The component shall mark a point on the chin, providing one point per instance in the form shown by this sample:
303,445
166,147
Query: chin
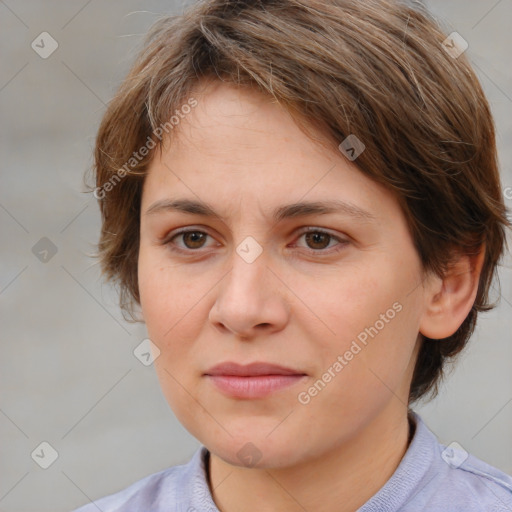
255,450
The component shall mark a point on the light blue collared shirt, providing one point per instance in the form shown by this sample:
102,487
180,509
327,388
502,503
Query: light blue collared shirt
430,477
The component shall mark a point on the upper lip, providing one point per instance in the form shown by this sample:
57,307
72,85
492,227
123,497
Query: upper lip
252,369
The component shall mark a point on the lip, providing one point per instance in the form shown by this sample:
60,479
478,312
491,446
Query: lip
251,370
255,380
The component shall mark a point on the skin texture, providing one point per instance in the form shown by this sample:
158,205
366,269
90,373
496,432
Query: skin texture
300,304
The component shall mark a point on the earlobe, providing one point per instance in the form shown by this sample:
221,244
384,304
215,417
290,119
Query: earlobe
449,300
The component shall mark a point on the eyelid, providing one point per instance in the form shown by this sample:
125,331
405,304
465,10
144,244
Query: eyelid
167,239
311,229
342,242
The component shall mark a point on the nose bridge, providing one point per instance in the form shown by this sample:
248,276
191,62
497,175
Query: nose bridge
246,299
248,275
249,259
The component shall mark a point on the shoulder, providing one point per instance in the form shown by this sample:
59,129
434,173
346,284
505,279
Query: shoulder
463,482
141,494
439,478
170,489
474,482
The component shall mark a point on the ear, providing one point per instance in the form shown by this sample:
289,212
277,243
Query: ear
448,300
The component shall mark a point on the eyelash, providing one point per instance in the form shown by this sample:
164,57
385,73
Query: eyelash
168,241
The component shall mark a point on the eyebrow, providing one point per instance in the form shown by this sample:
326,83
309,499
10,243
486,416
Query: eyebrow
290,211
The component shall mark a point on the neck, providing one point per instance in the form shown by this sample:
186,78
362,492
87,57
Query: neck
343,479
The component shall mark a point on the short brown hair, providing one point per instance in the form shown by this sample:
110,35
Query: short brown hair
373,68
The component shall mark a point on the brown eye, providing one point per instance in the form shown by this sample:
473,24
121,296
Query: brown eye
321,242
186,241
318,239
193,239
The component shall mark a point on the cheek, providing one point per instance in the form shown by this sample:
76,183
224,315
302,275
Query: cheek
164,291
172,308
167,301
375,322
155,290
341,305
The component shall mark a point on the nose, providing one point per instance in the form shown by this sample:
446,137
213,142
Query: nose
251,300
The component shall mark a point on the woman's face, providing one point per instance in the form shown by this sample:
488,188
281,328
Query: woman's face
335,297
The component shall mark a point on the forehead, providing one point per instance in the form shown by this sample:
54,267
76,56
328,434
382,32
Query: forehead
237,145
233,120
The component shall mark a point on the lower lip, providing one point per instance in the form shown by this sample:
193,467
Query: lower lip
253,387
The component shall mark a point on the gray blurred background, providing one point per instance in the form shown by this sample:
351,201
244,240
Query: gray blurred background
68,374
